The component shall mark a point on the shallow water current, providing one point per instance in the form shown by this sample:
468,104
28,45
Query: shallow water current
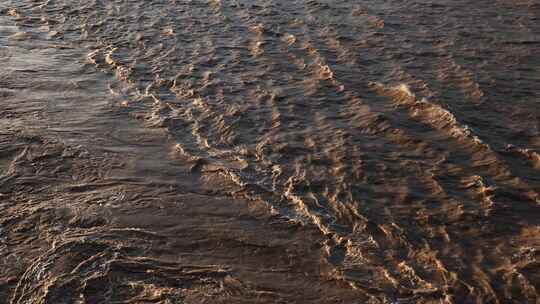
276,151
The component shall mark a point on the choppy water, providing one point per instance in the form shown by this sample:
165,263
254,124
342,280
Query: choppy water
274,151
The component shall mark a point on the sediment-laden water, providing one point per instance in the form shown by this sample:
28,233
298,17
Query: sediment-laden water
250,151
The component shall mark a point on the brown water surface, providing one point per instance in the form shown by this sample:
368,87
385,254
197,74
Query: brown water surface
251,151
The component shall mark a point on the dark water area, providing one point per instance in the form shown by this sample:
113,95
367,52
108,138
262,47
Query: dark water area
251,151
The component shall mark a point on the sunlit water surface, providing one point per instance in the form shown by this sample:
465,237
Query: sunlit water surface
276,151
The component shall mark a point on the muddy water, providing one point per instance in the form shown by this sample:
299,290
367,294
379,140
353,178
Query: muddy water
269,151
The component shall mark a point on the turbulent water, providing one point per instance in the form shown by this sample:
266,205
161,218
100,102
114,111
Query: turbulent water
269,151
